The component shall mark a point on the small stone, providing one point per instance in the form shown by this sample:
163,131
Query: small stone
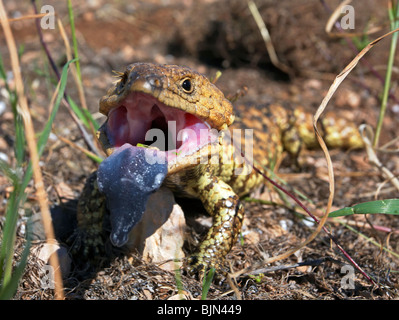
3,157
47,249
313,84
64,191
159,236
349,98
3,107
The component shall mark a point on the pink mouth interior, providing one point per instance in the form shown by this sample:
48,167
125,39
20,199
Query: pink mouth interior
129,123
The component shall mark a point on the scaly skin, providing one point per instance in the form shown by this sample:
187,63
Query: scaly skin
218,187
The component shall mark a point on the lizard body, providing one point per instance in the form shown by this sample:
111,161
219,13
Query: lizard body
147,96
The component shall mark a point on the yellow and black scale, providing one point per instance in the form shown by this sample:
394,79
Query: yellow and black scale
275,129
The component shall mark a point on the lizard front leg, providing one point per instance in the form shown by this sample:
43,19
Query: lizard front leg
224,206
89,238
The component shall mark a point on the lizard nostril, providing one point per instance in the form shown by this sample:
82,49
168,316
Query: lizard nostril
154,82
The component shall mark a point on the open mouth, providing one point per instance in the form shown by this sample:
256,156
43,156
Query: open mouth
141,120
132,172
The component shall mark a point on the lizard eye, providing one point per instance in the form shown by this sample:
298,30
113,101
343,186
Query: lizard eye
187,85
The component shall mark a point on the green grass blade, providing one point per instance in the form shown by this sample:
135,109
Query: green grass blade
84,115
78,111
41,143
390,206
74,41
10,282
10,225
95,158
3,74
207,283
8,290
19,135
18,123
371,240
91,119
178,280
394,19
8,172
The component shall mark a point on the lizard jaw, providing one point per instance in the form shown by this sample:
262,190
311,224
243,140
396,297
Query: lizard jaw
140,118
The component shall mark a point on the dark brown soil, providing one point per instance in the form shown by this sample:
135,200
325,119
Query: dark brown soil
212,36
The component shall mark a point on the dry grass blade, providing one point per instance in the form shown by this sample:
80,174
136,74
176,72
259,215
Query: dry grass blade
77,147
335,15
333,88
338,80
32,146
73,68
67,102
367,136
79,86
266,38
30,16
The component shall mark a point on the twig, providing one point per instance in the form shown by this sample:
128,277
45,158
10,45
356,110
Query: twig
43,43
76,146
316,262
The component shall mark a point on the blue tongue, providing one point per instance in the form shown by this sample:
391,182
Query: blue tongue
127,178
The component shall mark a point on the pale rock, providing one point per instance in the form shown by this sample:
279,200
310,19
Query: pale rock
159,236
348,98
3,107
183,295
3,157
45,250
64,191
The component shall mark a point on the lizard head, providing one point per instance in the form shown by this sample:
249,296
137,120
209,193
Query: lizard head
175,106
